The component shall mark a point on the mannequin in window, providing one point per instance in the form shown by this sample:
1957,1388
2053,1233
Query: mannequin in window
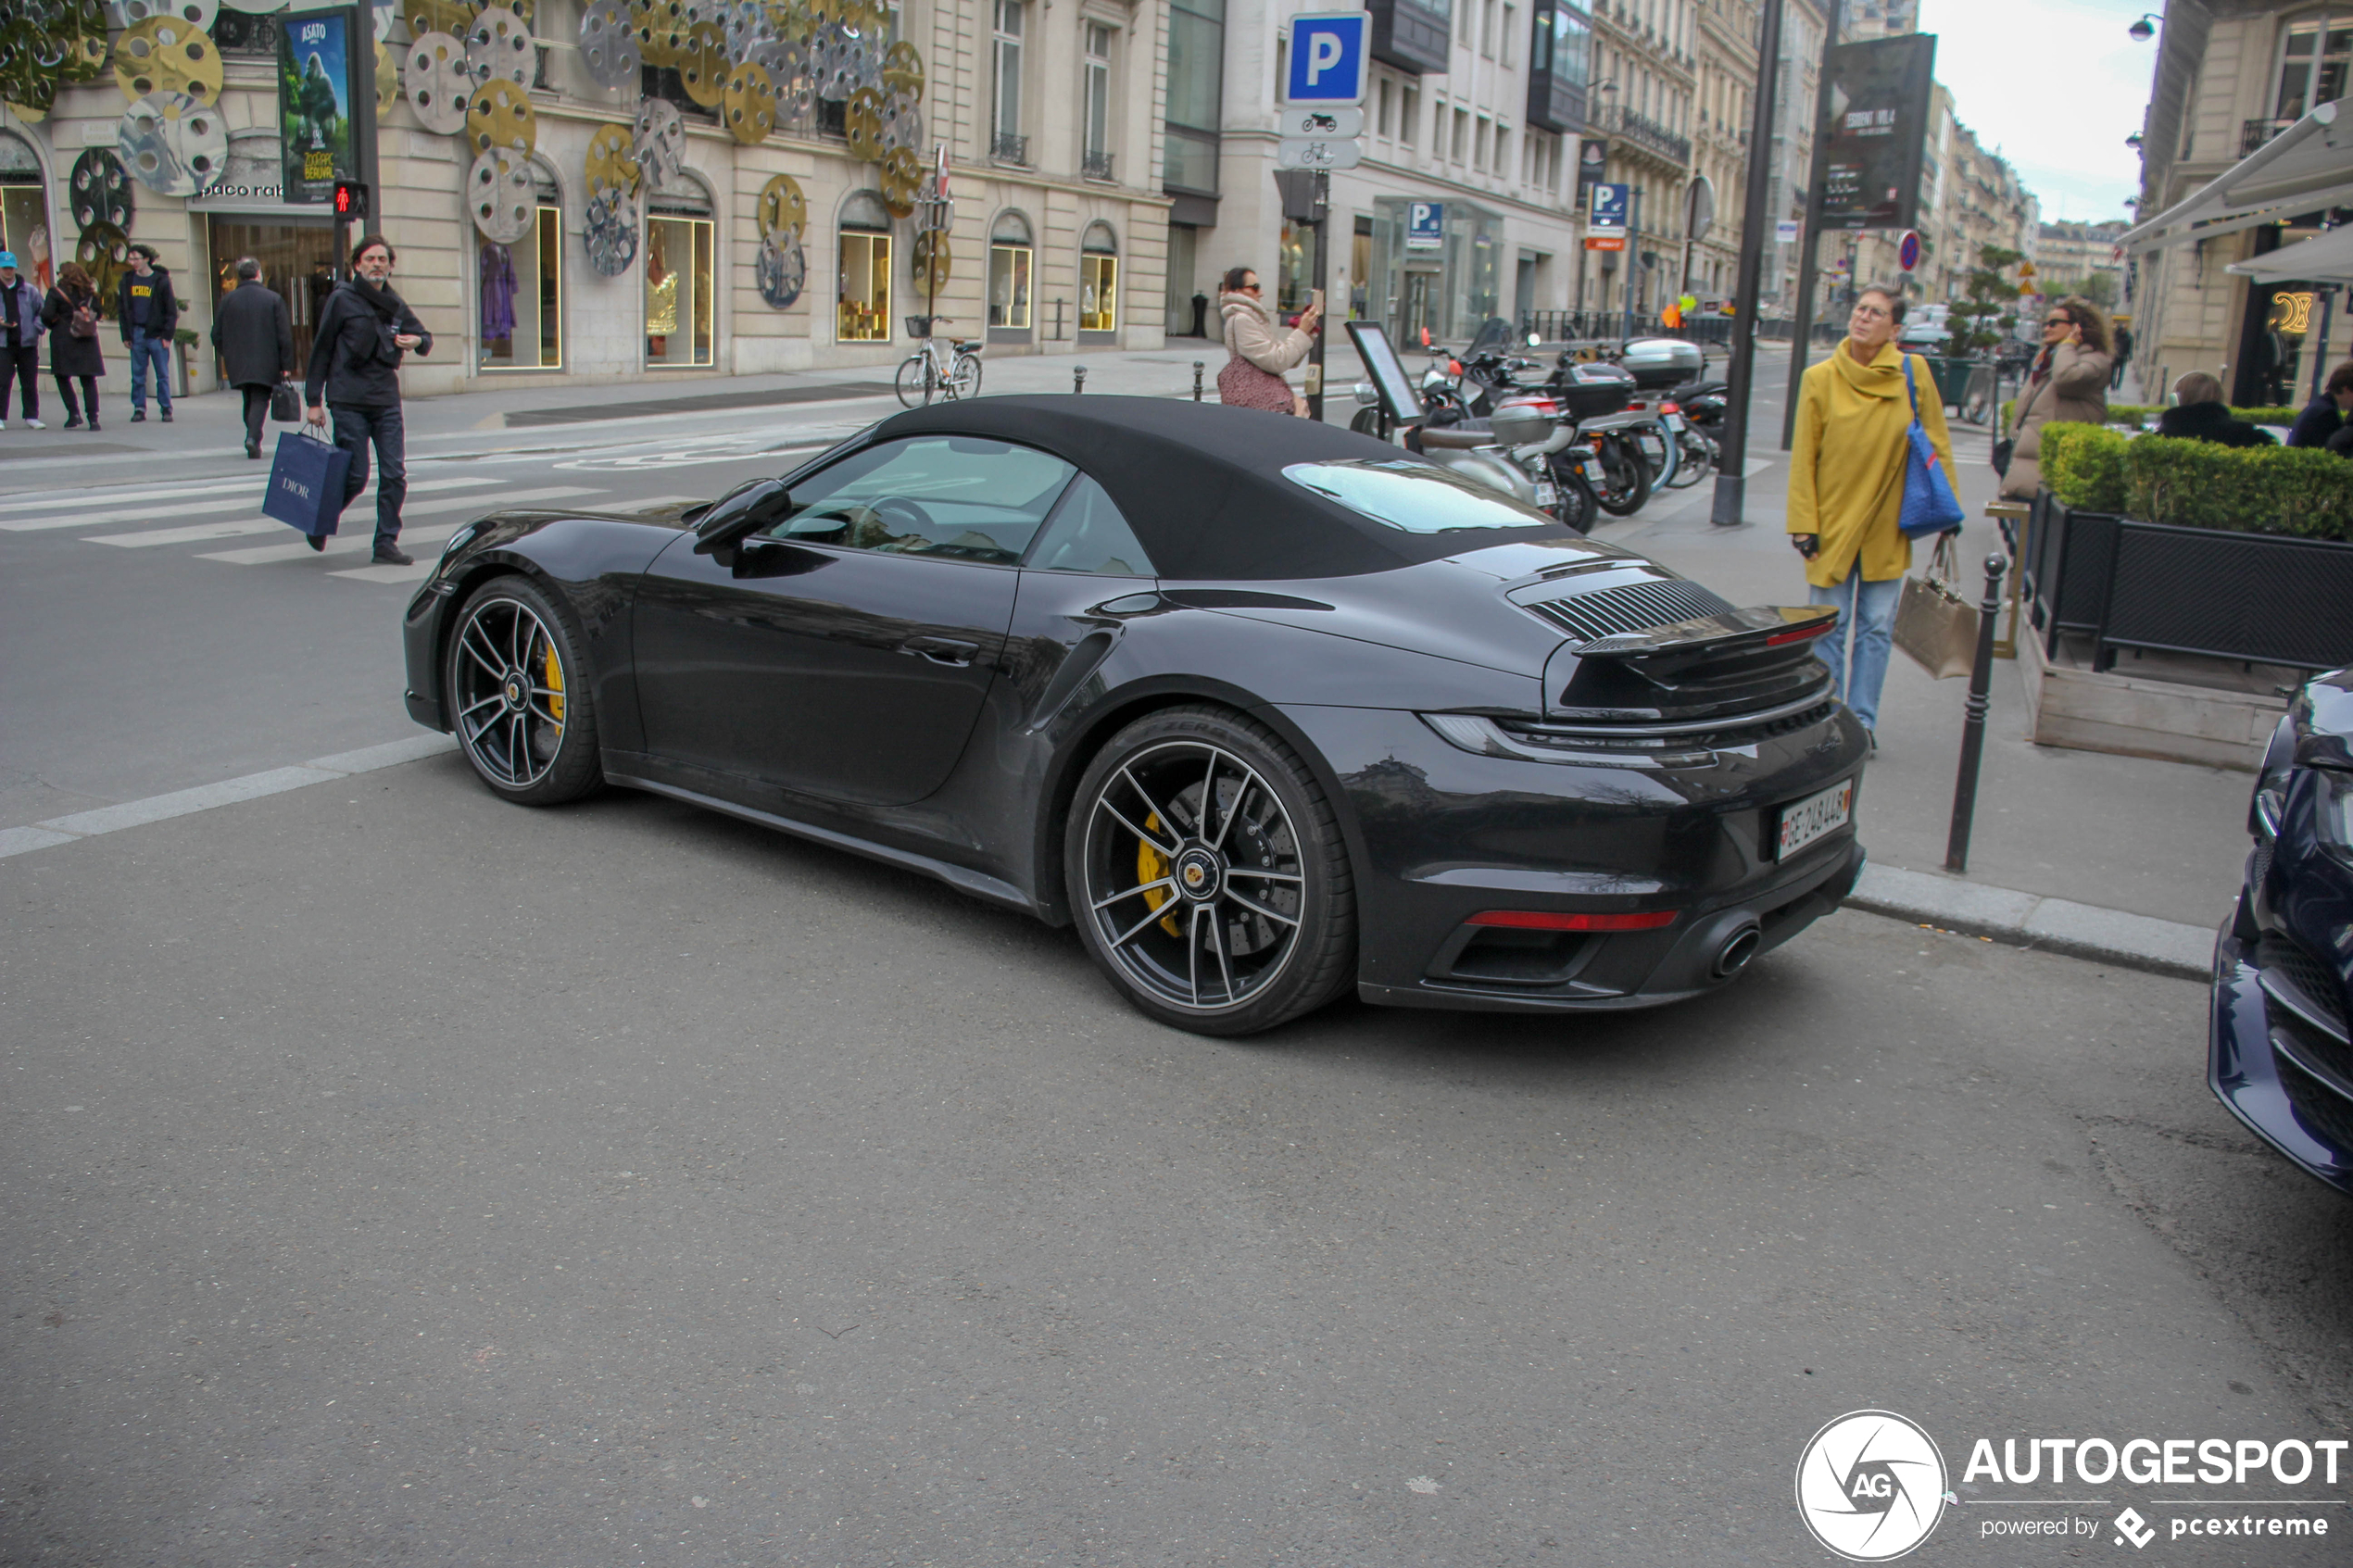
498,299
662,296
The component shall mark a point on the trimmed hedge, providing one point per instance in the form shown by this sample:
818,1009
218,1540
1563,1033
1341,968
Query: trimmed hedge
2301,493
2142,416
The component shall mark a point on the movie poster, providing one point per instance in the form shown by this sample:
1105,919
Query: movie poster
314,105
1867,150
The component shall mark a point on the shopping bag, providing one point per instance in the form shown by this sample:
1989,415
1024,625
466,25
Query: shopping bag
1929,506
285,403
305,481
1934,623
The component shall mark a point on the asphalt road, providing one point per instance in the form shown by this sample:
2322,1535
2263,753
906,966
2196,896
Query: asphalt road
389,1175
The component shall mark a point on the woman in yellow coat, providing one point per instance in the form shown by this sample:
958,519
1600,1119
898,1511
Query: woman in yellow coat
1846,489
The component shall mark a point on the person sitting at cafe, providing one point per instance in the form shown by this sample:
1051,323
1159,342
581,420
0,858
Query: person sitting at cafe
2326,414
2201,415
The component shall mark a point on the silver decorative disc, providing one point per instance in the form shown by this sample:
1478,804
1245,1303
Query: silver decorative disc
173,144
609,47
498,45
500,196
440,84
198,14
783,270
611,235
660,143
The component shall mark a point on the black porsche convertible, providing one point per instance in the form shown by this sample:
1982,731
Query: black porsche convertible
1263,706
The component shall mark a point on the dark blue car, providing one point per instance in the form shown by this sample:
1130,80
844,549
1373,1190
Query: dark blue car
2283,1059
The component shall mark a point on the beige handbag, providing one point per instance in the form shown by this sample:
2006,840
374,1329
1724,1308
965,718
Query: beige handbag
1934,623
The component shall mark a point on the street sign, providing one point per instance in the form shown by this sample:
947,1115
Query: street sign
1425,225
1785,232
1329,56
1699,208
1322,124
1607,214
1867,150
1606,242
2026,270
1907,250
1311,152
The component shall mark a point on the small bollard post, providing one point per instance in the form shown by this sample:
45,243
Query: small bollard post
1077,378
1981,679
1196,381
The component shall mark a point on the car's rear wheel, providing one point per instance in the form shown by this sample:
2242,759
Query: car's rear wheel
518,695
1207,875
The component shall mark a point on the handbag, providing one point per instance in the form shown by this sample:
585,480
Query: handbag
285,403
2002,450
1934,623
306,483
84,322
1929,506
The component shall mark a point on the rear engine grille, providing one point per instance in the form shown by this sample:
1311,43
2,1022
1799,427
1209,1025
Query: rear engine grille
2320,1108
2311,978
1635,607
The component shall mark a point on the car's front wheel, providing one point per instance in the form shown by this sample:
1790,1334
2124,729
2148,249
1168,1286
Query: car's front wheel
518,695
1207,875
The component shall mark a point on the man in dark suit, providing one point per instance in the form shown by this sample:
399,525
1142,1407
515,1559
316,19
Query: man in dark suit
255,337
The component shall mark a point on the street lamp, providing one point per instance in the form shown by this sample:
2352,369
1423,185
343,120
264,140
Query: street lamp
2146,29
2133,140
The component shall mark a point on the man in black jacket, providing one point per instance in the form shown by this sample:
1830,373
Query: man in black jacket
355,364
149,314
2325,415
256,339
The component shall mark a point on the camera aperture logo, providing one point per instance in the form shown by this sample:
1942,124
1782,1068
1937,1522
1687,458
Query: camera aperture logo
1870,1486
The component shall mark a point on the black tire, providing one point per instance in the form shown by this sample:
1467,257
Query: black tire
1628,476
1283,942
1697,461
516,659
1576,508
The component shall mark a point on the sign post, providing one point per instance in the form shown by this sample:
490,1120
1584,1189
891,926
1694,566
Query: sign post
1730,499
1323,115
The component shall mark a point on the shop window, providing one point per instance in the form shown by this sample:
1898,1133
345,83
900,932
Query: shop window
24,212
299,264
1099,280
863,300
2314,51
519,292
1095,157
1010,257
680,299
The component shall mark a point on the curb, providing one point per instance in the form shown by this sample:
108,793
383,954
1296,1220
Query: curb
2029,919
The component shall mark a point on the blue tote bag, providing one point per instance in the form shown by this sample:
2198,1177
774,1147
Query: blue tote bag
1929,506
306,483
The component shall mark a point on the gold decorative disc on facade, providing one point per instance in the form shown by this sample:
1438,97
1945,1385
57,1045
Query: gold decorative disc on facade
611,165
164,55
902,180
437,16
387,78
702,64
781,209
752,105
903,69
862,120
501,116
931,260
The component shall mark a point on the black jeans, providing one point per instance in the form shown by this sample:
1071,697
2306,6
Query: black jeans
88,395
256,410
22,369
354,428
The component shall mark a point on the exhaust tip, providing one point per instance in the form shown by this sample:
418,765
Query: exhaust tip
1734,956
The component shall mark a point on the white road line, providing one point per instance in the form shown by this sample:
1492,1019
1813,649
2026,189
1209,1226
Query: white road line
341,544
228,792
362,509
417,573
242,502
108,495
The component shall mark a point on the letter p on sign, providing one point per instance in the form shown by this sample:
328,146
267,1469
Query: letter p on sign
1327,59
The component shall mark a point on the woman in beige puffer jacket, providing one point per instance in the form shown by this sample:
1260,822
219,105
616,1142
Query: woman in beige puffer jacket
1258,352
2067,385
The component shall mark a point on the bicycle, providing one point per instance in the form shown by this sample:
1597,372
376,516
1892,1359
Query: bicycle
942,368
1977,399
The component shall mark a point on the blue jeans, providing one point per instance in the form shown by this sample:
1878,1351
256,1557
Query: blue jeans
143,349
355,428
1870,614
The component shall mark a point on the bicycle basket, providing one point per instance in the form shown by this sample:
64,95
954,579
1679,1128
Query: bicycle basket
919,326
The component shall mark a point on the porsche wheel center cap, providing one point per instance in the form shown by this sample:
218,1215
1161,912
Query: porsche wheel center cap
515,694
1199,875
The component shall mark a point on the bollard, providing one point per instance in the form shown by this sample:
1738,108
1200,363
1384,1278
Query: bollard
1196,381
1981,679
1077,378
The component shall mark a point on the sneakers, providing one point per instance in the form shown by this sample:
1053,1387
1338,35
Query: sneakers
4,424
138,416
73,421
34,424
389,554
93,426
167,413
253,448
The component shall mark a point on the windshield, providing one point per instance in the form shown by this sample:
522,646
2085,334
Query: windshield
1413,497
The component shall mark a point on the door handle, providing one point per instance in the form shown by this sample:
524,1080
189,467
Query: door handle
942,650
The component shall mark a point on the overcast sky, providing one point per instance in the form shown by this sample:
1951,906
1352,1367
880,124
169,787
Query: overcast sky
2056,86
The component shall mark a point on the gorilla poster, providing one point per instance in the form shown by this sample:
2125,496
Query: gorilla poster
314,105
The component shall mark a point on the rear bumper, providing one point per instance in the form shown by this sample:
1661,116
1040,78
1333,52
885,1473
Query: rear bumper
2304,1111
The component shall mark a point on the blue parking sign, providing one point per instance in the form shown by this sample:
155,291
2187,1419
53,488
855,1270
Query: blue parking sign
1327,59
1608,215
1425,225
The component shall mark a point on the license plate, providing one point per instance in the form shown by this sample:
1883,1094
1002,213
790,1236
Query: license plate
1592,470
1803,822
1672,422
1547,494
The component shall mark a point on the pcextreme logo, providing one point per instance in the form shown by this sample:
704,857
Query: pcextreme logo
1870,1486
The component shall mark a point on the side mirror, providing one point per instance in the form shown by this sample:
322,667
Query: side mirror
748,507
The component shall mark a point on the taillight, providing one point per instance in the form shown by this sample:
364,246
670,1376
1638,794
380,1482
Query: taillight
1668,408
1800,633
1454,367
1546,919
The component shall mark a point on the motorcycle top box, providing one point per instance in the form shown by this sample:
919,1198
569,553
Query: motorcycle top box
1589,391
1658,363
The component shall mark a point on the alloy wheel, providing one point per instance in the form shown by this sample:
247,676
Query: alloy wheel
509,682
1193,876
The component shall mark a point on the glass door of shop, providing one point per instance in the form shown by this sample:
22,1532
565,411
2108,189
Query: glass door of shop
298,264
678,291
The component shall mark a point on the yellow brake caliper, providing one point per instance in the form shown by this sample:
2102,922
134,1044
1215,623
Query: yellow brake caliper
1151,866
555,686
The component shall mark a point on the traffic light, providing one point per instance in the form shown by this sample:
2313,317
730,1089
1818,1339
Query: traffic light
351,200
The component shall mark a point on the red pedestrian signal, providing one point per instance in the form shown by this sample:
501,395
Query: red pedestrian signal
351,199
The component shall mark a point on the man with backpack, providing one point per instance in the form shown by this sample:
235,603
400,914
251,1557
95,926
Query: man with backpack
256,339
149,314
20,339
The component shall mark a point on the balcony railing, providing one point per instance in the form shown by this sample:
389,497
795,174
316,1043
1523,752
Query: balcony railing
1005,148
2255,132
1095,165
1648,133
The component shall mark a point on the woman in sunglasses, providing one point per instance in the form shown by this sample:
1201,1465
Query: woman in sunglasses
2067,385
1258,351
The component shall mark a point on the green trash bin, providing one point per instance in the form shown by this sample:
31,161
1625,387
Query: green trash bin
1951,377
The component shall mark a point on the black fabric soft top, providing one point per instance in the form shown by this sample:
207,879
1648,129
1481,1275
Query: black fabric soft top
1202,485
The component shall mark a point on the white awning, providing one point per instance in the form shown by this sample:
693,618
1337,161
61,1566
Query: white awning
2307,166
2323,258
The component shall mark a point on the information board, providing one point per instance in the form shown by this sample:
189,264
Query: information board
1867,150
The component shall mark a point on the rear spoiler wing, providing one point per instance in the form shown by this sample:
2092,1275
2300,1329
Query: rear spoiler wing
1738,630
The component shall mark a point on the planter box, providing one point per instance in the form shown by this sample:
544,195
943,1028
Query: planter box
2135,715
2066,559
